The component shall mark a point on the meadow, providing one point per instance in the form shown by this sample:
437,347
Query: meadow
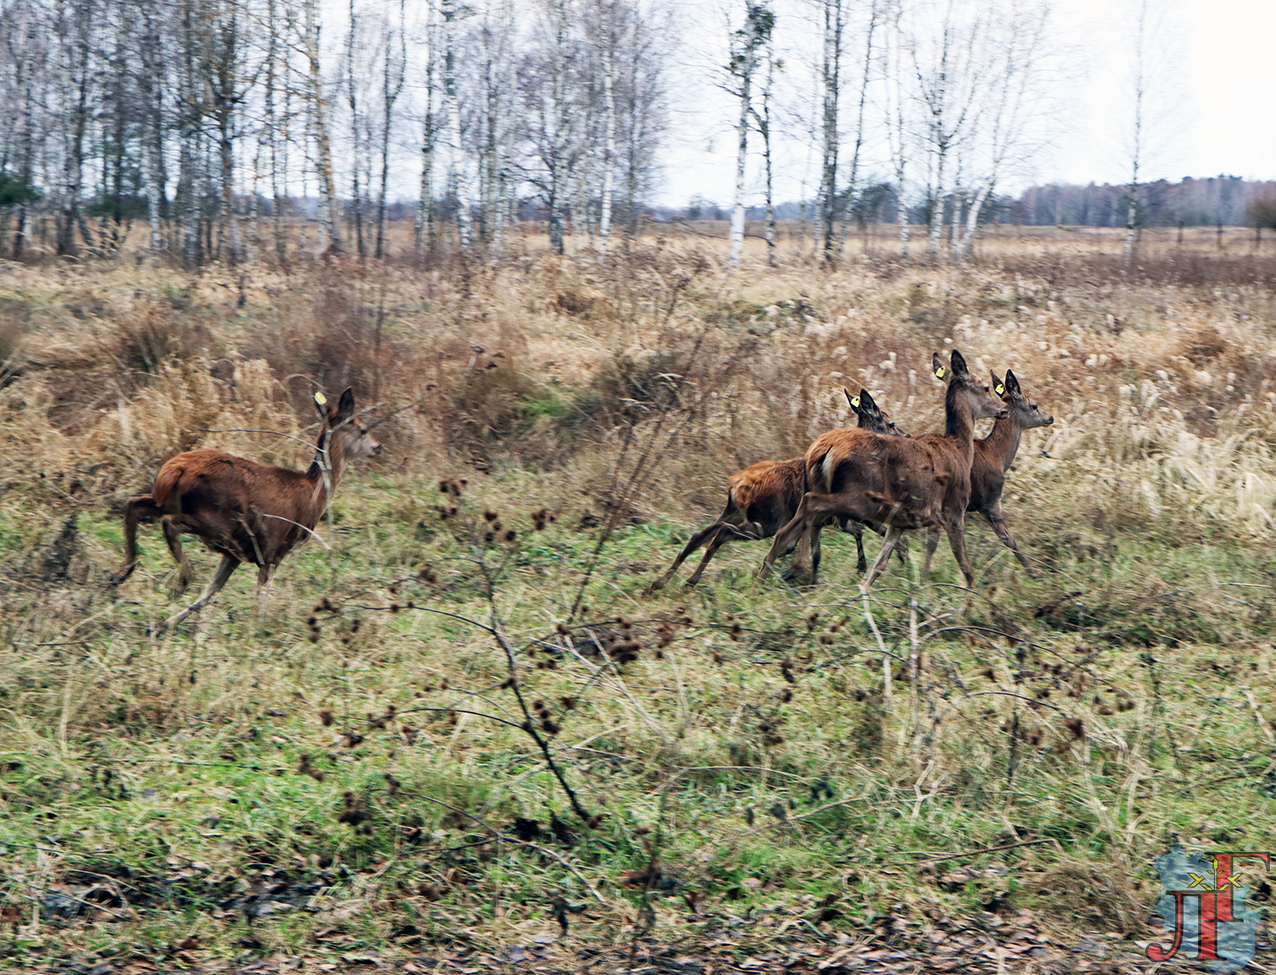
462,736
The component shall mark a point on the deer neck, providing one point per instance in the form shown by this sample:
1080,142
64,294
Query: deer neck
1003,443
960,423
330,459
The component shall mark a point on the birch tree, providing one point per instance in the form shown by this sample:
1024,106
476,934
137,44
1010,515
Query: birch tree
458,177
834,26
875,13
608,22
746,42
423,229
942,51
392,78
895,124
329,217
1014,92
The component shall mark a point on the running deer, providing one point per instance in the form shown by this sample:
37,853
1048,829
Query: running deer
247,512
993,457
762,498
896,482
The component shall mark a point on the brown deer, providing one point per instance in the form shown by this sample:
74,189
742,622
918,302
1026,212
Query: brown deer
762,498
248,512
900,483
993,457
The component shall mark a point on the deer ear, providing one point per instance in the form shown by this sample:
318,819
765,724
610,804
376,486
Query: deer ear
321,404
937,366
345,408
959,366
870,405
1012,383
998,386
853,400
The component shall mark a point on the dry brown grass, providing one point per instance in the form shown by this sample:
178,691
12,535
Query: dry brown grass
628,391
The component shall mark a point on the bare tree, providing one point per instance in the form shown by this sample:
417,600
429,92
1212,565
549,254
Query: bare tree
458,176
895,109
943,50
834,27
747,41
329,219
762,118
424,230
1150,85
607,20
1014,97
875,13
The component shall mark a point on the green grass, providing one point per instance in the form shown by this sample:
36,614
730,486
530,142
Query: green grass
751,752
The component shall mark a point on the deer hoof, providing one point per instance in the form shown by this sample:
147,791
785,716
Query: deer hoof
118,577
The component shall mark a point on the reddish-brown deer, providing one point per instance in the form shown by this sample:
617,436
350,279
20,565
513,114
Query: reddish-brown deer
762,498
993,457
245,511
900,483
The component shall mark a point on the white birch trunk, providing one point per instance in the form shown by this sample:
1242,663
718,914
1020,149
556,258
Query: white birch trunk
423,229
457,175
609,138
329,217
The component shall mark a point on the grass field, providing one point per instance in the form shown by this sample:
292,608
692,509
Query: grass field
375,773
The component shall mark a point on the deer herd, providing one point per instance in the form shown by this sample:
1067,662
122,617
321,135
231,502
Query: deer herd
870,475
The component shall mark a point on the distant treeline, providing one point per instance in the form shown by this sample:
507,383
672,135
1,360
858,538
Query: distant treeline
1192,202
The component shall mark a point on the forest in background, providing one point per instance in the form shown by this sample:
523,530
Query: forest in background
236,130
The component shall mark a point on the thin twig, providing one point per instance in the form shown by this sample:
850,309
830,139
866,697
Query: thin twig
990,849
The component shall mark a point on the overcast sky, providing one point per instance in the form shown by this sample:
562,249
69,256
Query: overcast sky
1220,119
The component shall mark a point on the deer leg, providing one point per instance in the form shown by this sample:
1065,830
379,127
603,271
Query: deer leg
750,531
893,536
856,529
957,539
229,564
932,543
698,539
999,526
173,535
265,577
140,509
803,558
785,539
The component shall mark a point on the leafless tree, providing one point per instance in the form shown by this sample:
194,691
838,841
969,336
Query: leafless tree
746,43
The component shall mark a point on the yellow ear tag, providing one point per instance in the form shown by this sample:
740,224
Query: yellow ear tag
855,401
939,373
321,399
1000,389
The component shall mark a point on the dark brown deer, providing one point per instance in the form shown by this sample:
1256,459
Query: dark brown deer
762,498
900,483
247,512
993,457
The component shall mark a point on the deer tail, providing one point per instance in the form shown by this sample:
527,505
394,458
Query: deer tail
820,472
165,494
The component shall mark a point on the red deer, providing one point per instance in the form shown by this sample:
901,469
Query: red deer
247,512
900,483
762,498
993,457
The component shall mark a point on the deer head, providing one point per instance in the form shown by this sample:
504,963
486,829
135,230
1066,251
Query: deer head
870,415
963,391
350,437
1024,412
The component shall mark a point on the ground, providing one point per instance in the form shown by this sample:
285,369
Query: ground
462,736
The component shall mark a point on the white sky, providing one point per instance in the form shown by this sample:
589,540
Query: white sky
1222,119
